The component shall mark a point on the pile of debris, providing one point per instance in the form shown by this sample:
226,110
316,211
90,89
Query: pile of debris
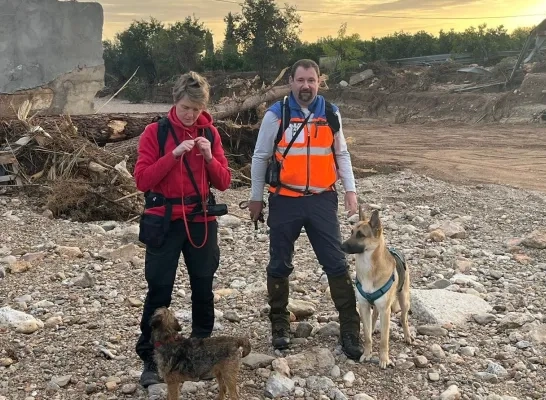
83,162
81,180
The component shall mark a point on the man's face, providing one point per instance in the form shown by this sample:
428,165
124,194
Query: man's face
305,85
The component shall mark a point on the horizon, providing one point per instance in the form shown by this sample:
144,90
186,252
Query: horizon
409,16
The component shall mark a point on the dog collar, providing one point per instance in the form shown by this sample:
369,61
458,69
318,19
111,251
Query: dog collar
158,344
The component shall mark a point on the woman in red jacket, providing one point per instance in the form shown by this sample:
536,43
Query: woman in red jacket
177,219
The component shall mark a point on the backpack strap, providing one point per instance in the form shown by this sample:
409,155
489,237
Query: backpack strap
208,134
162,133
332,118
285,111
333,122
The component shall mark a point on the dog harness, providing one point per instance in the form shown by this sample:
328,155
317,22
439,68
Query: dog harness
400,269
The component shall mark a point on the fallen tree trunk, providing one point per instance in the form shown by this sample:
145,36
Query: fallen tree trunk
238,142
232,107
109,128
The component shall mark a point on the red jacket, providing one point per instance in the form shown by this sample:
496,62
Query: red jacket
164,175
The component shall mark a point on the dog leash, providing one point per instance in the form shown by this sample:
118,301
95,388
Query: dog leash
244,204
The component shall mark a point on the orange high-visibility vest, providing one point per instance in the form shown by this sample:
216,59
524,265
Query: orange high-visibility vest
309,166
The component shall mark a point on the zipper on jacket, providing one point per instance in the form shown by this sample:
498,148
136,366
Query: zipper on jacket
308,159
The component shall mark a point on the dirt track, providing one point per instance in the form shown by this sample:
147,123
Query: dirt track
507,154
512,155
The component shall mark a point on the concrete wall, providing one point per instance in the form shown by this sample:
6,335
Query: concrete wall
51,54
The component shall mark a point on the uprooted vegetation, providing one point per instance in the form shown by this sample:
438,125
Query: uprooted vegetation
76,178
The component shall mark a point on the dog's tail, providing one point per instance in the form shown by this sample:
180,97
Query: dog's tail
244,346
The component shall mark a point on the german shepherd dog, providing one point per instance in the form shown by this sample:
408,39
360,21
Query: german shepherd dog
383,283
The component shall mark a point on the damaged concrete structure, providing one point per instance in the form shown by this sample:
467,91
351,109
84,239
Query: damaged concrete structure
51,55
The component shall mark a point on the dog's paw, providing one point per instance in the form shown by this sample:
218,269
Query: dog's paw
385,362
409,339
366,356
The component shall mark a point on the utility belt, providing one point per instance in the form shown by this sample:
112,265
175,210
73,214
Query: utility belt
152,199
154,228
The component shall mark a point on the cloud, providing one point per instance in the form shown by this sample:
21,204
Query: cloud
119,14
418,5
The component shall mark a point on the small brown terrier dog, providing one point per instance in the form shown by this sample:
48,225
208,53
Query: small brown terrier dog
383,283
181,359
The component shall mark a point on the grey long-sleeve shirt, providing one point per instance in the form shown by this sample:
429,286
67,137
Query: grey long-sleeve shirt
264,150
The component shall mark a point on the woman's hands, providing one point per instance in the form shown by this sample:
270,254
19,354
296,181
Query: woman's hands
183,147
202,143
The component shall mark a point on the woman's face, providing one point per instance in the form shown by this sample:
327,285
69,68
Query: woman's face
188,111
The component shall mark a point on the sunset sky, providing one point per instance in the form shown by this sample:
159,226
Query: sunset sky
317,22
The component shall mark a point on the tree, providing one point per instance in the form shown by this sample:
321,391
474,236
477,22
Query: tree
179,48
267,34
344,49
519,36
230,40
133,50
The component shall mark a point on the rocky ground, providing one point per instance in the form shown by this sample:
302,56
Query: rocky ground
72,295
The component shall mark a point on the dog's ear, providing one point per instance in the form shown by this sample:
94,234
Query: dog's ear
177,326
155,321
375,222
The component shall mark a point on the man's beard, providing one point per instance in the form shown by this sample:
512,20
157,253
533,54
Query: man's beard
305,96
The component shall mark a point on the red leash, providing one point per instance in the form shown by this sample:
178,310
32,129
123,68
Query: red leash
203,204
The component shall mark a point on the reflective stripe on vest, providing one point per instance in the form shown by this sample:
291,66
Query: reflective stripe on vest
311,189
309,165
302,151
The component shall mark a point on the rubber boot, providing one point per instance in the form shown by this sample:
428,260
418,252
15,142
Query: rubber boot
278,290
343,295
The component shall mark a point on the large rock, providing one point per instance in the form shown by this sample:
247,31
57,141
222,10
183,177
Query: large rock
301,308
20,321
317,359
278,385
535,240
257,360
360,77
440,306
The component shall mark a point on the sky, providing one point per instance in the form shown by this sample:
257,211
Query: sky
318,19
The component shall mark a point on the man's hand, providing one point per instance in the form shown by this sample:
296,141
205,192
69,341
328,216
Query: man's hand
203,145
183,147
255,208
351,203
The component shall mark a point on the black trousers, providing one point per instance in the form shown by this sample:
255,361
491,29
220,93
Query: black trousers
318,214
160,269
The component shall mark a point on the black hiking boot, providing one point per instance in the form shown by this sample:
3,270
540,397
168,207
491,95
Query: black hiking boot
343,295
149,374
280,337
279,316
351,346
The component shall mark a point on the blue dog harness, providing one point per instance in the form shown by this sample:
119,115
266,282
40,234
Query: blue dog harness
400,268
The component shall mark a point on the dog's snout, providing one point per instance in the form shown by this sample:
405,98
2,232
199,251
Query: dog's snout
351,247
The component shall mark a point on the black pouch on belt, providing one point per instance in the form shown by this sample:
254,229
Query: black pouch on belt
154,228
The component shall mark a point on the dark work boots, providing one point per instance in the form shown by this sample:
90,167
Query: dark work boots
149,374
344,299
279,316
